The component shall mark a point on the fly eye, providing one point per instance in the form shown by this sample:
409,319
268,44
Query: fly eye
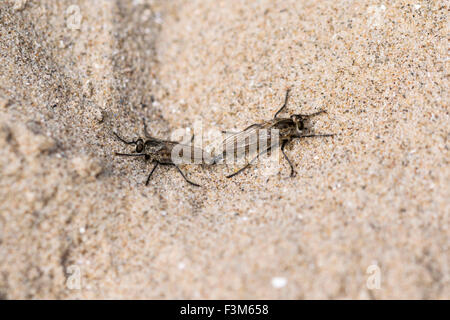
139,146
296,118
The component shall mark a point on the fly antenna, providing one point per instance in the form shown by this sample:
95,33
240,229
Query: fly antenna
123,140
285,103
130,154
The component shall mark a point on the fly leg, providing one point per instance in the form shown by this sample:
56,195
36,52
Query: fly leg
249,127
185,178
317,135
285,103
314,114
151,172
293,173
248,164
181,172
123,140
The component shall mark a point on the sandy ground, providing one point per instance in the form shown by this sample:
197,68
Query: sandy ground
370,204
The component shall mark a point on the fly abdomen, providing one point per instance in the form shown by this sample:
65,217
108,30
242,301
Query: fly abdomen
189,154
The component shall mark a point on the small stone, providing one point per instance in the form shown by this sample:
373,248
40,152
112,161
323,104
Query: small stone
5,134
279,282
99,115
19,5
88,88
62,44
4,103
95,112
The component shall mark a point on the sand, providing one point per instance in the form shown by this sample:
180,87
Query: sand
366,217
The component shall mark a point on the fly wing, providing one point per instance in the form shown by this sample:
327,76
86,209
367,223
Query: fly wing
246,143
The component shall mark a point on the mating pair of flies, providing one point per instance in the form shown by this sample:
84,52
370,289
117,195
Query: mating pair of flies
159,151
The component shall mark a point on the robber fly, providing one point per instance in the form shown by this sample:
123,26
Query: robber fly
161,152
288,129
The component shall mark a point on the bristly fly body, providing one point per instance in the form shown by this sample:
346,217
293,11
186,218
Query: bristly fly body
287,128
162,152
